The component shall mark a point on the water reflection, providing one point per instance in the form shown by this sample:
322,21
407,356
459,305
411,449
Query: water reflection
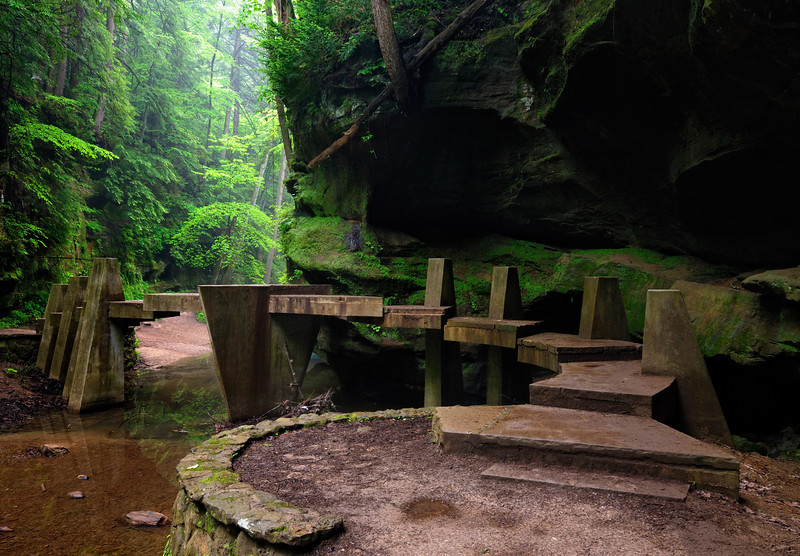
129,455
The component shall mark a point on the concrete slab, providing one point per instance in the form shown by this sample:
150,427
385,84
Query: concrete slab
489,331
175,302
606,482
411,316
608,386
132,310
588,440
550,349
341,306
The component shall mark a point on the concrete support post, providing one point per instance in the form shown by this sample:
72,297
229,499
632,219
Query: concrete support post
97,378
250,345
68,327
505,302
603,312
443,378
55,304
670,348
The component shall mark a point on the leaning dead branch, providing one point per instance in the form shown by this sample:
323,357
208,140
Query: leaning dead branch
429,50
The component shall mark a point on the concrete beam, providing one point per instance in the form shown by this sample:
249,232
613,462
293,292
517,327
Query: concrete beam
250,345
55,305
670,349
97,379
342,306
68,327
172,302
133,311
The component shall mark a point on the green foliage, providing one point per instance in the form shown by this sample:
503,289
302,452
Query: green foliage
114,164
225,235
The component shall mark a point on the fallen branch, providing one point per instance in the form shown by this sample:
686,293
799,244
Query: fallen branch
421,57
296,384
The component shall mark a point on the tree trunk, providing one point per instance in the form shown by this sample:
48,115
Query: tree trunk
236,81
100,115
211,79
422,56
285,11
62,67
390,50
278,203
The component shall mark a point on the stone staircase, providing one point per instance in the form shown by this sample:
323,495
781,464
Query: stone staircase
601,422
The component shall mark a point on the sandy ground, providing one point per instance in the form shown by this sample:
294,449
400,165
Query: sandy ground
165,341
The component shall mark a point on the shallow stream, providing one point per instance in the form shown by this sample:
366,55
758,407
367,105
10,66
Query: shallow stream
128,454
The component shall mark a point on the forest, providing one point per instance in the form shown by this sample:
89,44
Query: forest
142,130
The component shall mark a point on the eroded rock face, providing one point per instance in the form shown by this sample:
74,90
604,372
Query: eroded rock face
670,125
665,125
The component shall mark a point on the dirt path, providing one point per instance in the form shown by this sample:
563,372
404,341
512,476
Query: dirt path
168,340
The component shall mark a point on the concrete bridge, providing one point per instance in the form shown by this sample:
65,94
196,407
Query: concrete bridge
263,336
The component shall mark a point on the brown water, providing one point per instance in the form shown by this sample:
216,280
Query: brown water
129,455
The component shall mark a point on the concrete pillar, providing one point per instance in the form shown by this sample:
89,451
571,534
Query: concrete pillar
68,327
97,378
670,348
505,302
443,379
250,345
603,312
55,304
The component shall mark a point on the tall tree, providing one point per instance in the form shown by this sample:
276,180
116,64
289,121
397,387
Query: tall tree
390,50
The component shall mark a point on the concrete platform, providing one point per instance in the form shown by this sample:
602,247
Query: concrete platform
488,331
172,302
641,486
133,311
549,349
411,316
608,386
587,440
341,306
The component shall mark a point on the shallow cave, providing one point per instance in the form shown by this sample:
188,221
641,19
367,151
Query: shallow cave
741,206
758,401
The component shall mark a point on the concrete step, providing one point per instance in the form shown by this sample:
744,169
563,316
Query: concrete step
610,387
641,486
587,440
550,349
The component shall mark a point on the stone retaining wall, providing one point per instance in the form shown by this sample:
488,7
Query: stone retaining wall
215,513
18,345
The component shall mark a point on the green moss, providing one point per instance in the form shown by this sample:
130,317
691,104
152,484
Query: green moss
583,17
223,477
320,243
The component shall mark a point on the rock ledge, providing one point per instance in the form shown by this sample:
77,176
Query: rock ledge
216,513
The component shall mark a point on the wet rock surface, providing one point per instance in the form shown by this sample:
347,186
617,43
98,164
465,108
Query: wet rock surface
147,518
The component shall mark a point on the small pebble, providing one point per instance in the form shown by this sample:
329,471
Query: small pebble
75,494
4,529
83,477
